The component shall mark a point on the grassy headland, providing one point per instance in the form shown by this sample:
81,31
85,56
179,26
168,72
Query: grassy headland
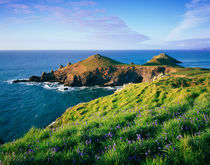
161,122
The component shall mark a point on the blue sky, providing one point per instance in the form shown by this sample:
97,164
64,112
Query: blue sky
104,24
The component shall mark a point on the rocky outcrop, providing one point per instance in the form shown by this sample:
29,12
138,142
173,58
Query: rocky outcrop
103,71
1,142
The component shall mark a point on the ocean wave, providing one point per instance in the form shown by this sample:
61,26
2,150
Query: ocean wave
62,88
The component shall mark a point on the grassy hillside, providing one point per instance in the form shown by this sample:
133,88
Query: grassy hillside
93,62
163,59
98,60
162,122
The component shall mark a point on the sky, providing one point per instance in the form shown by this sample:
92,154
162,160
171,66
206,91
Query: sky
104,24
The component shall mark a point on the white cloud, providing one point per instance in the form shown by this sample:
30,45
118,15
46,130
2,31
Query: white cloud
197,13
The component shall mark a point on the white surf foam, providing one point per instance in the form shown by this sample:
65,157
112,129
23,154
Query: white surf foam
62,88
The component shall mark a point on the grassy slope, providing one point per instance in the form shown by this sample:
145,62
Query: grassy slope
162,122
162,59
97,60
89,64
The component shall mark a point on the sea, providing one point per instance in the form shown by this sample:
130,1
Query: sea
27,105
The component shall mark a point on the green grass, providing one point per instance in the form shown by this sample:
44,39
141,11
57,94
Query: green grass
162,59
162,122
97,61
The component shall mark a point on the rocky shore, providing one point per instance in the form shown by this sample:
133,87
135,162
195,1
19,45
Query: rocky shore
103,71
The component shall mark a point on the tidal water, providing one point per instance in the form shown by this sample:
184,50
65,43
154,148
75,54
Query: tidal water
25,105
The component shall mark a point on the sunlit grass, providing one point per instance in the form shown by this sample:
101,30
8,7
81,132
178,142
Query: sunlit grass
162,122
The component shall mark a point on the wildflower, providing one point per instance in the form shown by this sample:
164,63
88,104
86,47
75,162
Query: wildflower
174,148
118,126
55,149
110,134
138,137
166,146
129,142
81,154
120,138
30,150
179,137
88,142
97,157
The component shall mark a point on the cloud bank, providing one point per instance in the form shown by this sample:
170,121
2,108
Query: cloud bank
197,13
83,17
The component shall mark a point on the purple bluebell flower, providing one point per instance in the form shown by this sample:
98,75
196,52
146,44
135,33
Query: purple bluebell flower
81,154
110,134
30,151
138,137
167,146
97,157
118,126
179,137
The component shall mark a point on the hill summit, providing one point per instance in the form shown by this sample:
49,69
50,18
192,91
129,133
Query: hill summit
163,59
98,60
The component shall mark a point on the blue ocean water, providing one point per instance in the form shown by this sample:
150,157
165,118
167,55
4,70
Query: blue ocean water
38,104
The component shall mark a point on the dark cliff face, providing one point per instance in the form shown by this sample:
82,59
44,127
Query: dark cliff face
100,70
108,76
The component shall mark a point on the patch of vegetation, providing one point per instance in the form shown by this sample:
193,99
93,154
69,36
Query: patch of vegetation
162,122
97,61
162,59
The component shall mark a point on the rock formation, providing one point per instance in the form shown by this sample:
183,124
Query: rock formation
103,71
1,142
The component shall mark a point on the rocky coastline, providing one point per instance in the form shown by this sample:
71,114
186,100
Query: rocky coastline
103,71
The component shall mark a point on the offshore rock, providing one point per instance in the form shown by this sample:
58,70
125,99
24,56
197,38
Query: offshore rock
103,71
